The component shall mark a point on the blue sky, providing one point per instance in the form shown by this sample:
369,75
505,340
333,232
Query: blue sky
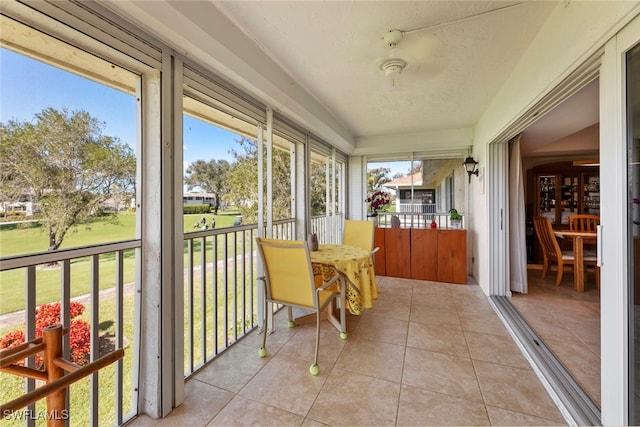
28,86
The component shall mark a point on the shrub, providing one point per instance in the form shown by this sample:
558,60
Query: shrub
49,315
12,339
196,209
80,341
16,215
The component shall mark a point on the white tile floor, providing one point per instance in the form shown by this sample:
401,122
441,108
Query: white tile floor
427,353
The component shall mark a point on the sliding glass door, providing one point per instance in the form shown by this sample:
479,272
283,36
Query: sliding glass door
633,177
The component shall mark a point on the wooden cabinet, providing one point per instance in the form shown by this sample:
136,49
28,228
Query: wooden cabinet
452,256
397,247
425,254
562,190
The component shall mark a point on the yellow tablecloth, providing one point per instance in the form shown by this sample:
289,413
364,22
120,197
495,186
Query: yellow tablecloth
356,265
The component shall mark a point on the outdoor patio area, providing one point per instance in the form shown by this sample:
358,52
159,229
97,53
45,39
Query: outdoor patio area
427,353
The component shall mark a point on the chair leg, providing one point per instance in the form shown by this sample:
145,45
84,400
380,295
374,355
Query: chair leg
598,277
343,308
313,369
292,323
559,273
545,266
262,352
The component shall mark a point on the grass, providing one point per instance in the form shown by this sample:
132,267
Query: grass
22,239
80,391
31,237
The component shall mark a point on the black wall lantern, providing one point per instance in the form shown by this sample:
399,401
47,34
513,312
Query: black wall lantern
471,166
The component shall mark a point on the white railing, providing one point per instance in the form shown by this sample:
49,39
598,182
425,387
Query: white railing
411,206
322,226
418,220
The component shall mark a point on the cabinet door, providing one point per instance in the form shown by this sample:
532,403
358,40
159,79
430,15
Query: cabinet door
546,204
424,253
397,247
591,194
452,256
568,197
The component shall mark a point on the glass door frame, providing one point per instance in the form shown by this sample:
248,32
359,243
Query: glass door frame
614,295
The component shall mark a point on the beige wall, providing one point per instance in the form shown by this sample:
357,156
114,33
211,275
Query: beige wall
573,33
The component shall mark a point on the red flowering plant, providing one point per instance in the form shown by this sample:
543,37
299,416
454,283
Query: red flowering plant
377,200
49,315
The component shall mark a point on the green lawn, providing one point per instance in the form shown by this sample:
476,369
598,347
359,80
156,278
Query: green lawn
18,240
31,237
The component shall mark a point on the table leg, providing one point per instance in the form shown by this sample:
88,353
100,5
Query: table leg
578,268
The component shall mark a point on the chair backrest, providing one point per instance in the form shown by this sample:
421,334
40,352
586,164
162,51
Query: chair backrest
288,271
584,222
358,233
547,239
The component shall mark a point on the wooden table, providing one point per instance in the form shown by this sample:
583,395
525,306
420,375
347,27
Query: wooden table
578,237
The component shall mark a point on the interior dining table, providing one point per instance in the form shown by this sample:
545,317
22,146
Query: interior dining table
355,265
578,238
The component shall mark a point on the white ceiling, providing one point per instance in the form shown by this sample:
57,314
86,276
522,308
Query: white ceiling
458,57
334,49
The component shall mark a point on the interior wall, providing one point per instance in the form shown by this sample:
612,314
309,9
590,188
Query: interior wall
586,142
573,33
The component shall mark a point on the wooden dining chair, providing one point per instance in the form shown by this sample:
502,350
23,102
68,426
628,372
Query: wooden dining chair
552,253
584,222
289,281
587,223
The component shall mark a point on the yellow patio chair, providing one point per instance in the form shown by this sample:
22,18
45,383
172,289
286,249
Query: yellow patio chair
289,281
359,233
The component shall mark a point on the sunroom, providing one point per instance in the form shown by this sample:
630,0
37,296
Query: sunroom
184,302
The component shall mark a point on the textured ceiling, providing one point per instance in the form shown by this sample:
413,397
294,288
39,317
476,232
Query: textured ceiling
458,57
458,54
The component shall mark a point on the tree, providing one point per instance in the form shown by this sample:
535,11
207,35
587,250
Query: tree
376,177
243,179
209,176
318,190
68,166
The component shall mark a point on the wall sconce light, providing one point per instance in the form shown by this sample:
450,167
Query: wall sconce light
471,166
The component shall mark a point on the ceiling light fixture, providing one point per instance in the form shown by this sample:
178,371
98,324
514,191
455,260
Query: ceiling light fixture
392,68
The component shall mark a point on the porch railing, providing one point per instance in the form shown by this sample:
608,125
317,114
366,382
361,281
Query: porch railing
110,302
411,206
417,220
220,306
221,300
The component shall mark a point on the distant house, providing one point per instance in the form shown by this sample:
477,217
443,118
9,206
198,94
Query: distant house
411,195
437,188
23,204
199,199
118,203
